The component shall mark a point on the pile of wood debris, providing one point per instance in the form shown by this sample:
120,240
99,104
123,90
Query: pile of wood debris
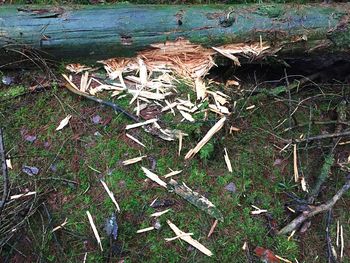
150,80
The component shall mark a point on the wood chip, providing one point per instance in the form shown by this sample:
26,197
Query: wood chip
303,184
63,123
172,173
9,163
145,229
158,214
211,231
22,195
258,211
180,143
60,226
132,126
154,177
185,237
187,116
295,164
200,88
94,229
338,233
234,129
111,195
135,140
134,160
341,243
283,259
206,138
228,162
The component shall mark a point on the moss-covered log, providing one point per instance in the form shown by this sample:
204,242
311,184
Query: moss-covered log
98,32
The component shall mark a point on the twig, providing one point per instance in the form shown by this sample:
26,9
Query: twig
4,171
325,170
330,248
321,137
314,210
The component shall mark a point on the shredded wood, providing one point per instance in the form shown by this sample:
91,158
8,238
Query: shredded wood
133,160
9,163
60,226
341,243
258,211
64,122
158,214
187,116
94,229
111,195
22,195
132,126
211,231
172,173
186,237
295,164
206,138
283,259
135,140
180,144
154,177
145,229
228,162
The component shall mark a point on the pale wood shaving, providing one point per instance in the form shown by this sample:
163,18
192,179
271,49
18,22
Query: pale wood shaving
145,229
206,138
295,164
187,116
22,195
111,195
94,229
132,126
135,140
133,160
154,177
172,173
64,122
158,214
185,237
60,226
211,231
228,162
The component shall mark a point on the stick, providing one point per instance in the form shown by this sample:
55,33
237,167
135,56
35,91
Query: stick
314,210
330,248
4,171
322,136
94,229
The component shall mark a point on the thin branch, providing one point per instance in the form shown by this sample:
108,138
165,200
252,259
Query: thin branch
4,171
314,210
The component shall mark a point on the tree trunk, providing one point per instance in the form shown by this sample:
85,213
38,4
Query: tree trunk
102,31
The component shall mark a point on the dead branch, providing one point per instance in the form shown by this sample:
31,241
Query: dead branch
321,137
4,171
314,210
330,249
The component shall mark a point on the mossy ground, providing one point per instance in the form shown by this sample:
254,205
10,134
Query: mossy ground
83,153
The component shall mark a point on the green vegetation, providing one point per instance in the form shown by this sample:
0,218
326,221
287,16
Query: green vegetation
84,157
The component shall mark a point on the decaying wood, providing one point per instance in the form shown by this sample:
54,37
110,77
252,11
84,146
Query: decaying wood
5,177
314,210
123,29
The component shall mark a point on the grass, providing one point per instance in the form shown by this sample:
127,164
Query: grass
77,153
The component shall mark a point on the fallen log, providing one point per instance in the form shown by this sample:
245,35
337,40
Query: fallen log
98,32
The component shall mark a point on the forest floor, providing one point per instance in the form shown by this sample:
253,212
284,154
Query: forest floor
71,162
